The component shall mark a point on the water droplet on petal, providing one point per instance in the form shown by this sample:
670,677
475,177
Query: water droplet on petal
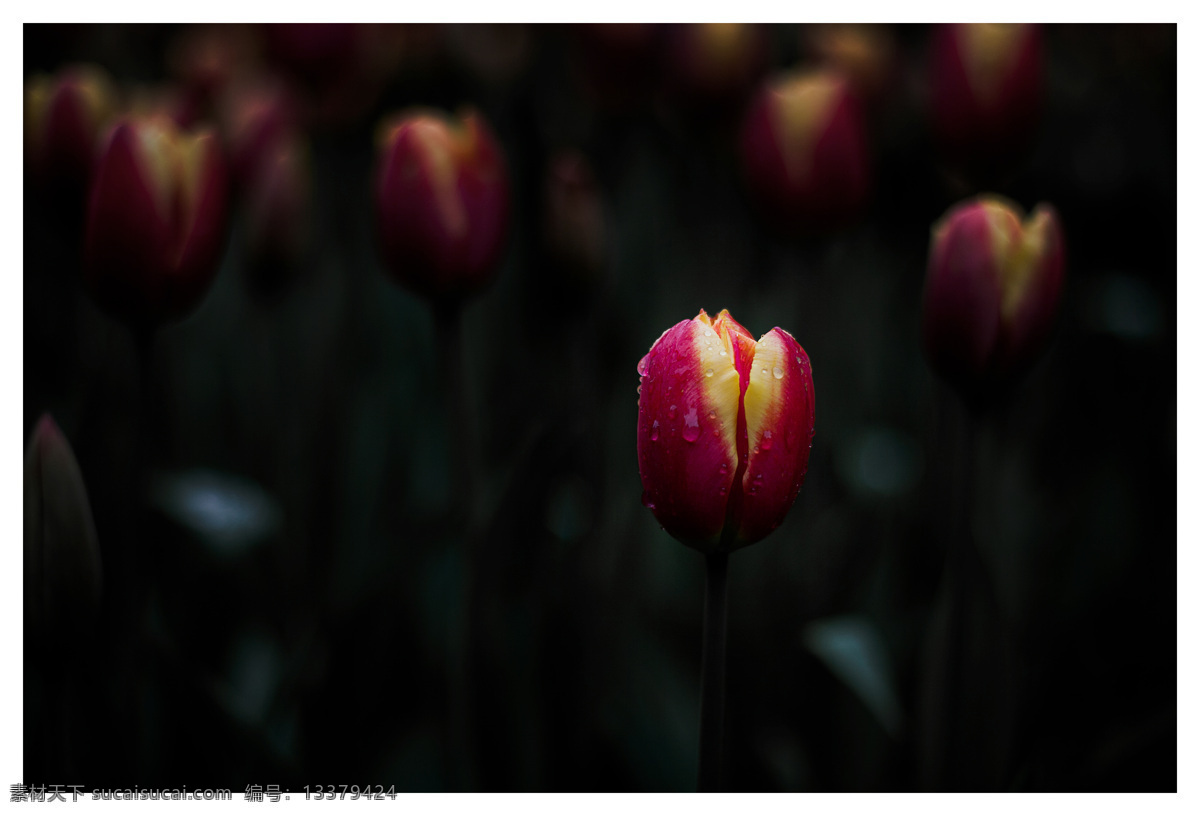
778,372
708,332
723,353
764,371
643,364
671,412
691,426
712,414
654,431
766,440
724,468
708,373
646,501
722,491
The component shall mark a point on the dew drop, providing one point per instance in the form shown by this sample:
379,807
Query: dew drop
639,389
724,468
712,414
654,431
723,353
643,364
766,440
647,502
708,373
671,412
691,426
764,371
756,448
708,332
778,372
722,491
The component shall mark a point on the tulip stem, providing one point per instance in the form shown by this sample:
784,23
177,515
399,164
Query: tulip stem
462,646
712,672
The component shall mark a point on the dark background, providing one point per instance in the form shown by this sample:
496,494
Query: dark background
283,578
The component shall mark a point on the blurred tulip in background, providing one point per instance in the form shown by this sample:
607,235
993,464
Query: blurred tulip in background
156,220
64,117
985,89
804,153
441,202
992,290
62,559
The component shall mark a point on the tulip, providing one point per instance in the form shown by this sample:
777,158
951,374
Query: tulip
441,202
713,63
62,559
986,86
864,53
803,151
278,201
256,116
64,116
992,290
724,430
155,220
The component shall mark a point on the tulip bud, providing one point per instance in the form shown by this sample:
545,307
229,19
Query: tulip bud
803,151
441,202
986,85
62,559
156,220
278,212
991,292
724,430
64,116
205,59
255,115
865,54
713,63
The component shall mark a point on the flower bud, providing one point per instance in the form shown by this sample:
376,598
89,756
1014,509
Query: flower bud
441,202
206,59
991,292
725,425
803,151
714,63
278,210
256,115
62,559
64,116
986,86
865,54
156,220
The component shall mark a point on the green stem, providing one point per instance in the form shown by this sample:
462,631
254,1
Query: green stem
712,672
462,647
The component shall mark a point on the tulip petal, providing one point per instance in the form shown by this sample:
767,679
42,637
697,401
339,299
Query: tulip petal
688,417
779,402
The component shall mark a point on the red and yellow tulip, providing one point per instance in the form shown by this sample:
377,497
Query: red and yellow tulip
441,202
985,87
156,219
725,425
64,117
992,290
804,153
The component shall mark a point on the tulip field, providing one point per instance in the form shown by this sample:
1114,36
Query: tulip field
594,408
